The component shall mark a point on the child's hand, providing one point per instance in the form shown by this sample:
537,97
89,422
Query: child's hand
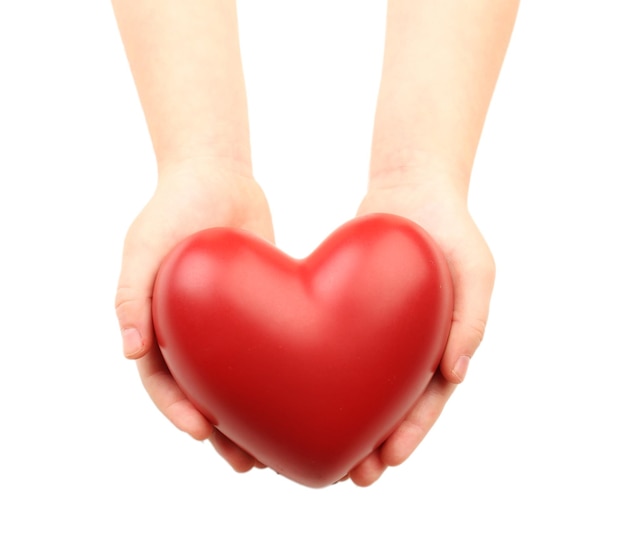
188,199
443,213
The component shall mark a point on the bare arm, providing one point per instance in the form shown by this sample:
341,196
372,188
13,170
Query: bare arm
185,59
442,60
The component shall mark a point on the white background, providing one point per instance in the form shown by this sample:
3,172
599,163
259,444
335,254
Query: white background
530,449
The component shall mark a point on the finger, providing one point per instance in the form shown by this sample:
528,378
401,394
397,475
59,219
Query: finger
169,398
473,286
238,459
134,296
369,470
410,433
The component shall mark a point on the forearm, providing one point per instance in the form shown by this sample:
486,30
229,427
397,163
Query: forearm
442,60
185,59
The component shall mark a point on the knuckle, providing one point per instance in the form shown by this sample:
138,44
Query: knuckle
476,329
127,301
472,329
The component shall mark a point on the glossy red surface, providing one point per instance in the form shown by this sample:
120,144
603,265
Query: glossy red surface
309,364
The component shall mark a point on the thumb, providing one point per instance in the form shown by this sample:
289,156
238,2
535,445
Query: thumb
473,287
133,298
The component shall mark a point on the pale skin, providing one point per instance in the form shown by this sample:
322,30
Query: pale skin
442,60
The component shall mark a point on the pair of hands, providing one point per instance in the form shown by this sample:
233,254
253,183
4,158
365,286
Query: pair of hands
189,199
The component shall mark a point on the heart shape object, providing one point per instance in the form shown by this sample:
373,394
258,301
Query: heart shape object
307,364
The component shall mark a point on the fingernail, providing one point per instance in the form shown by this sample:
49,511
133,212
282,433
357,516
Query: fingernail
132,341
460,368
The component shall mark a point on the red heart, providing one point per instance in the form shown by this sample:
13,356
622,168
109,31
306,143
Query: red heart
308,364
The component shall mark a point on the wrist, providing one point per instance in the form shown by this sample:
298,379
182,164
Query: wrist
420,174
202,169
226,148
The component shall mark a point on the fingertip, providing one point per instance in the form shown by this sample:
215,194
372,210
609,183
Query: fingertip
133,343
187,419
198,428
368,471
465,338
134,317
456,372
236,457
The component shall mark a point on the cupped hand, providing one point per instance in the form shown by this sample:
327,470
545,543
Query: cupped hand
188,199
442,211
